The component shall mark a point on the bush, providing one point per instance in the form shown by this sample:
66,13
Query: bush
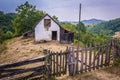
8,35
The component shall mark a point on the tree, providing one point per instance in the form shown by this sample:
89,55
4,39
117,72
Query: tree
5,21
26,18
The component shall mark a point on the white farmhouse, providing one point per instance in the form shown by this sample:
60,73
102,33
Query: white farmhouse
49,29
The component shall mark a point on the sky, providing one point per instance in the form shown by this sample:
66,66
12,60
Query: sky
68,10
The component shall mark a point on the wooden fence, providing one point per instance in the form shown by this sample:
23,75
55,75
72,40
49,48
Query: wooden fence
82,59
72,61
57,62
13,70
90,58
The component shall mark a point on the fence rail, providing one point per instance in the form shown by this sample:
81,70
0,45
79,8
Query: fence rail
11,70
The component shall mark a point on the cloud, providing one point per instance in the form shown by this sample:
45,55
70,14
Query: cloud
69,9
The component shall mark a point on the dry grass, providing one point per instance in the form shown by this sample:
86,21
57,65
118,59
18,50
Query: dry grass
19,49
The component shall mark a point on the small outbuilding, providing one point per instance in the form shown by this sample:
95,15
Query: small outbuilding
48,29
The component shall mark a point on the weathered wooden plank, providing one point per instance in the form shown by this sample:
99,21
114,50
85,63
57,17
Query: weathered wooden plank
90,56
69,61
21,63
106,55
54,64
57,63
86,56
98,58
66,57
50,61
74,62
113,50
16,72
94,59
102,52
60,63
109,53
77,57
63,57
81,66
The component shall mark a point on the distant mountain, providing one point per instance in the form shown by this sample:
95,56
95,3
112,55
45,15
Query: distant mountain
86,22
92,21
109,27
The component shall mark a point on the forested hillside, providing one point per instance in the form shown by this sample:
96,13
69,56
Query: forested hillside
6,30
109,27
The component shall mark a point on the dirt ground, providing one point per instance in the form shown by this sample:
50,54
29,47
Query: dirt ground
109,73
21,49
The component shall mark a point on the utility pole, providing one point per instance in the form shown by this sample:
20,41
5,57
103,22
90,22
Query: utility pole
79,24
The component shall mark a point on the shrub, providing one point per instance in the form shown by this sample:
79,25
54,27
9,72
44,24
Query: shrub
9,34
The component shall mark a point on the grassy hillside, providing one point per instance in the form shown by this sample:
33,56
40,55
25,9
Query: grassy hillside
21,49
109,27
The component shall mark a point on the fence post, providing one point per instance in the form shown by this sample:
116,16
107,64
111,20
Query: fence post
115,47
77,58
74,61
82,61
69,61
47,64
114,50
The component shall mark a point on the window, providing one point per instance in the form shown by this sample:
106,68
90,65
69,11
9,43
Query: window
47,24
